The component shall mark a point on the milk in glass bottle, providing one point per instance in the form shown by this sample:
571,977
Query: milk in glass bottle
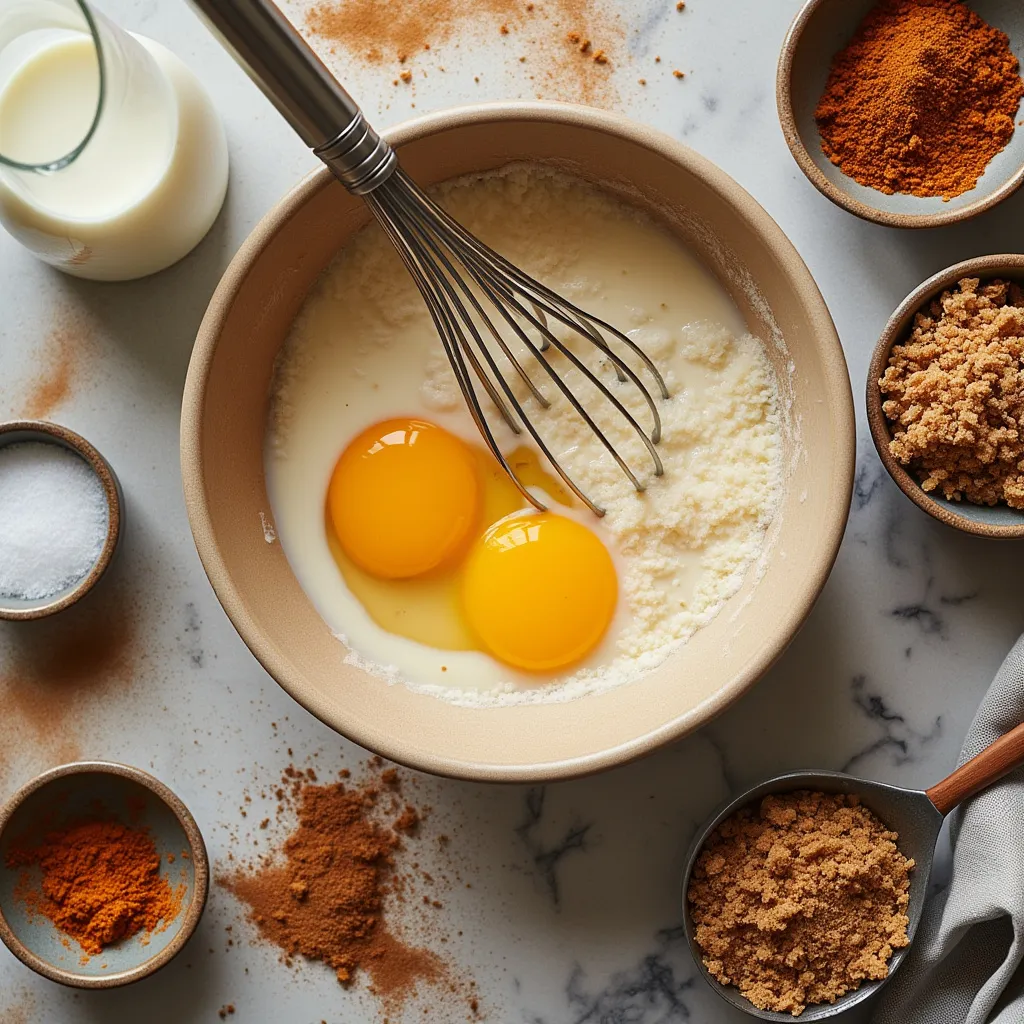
113,161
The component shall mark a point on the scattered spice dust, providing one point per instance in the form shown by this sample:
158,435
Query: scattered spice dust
18,1014
52,669
52,385
21,1011
334,888
60,365
571,44
100,882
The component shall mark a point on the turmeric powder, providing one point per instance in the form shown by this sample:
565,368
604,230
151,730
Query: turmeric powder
101,882
920,101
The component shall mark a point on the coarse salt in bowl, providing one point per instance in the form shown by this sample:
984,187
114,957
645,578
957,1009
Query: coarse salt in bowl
60,518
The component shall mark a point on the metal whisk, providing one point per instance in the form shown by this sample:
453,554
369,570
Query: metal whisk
491,317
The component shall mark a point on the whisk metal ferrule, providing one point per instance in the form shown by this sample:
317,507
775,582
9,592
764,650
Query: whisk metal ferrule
360,159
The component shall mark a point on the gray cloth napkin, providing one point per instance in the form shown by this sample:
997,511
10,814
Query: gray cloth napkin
965,964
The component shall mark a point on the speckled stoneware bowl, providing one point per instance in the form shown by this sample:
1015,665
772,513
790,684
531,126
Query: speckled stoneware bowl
981,520
44,432
72,792
822,29
224,420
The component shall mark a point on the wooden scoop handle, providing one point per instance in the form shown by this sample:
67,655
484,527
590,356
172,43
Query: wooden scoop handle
980,772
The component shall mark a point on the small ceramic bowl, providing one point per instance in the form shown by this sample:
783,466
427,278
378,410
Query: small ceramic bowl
981,520
41,431
822,29
74,791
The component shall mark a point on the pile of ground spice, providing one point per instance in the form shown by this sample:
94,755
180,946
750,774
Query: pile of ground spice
323,897
955,392
800,899
920,101
100,882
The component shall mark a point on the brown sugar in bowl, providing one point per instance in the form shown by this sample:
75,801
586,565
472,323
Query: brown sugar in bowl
999,521
224,419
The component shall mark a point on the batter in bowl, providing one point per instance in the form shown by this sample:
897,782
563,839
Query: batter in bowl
364,350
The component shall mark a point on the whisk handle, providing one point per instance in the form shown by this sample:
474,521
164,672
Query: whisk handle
298,83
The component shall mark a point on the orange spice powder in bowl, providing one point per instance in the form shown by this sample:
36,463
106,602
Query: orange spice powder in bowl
904,112
921,100
100,882
103,874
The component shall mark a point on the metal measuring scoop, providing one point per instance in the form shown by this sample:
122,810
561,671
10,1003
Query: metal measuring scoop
916,816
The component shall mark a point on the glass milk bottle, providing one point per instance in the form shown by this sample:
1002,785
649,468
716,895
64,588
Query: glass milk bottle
113,162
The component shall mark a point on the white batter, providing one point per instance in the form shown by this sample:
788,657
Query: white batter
363,349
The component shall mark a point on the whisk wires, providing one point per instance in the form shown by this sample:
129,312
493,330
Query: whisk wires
479,303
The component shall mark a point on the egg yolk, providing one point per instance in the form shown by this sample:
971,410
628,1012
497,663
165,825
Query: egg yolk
403,498
539,590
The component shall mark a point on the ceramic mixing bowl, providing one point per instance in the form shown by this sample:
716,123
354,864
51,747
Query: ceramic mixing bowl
225,412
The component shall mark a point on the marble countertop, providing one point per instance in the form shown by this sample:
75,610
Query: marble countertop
573,915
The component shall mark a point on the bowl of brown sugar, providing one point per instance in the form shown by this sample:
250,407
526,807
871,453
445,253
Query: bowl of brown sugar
906,112
103,874
945,396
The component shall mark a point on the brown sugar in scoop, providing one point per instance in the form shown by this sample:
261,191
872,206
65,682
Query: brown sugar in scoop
800,899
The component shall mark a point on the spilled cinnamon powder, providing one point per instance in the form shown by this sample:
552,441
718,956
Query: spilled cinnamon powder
52,670
568,47
52,386
59,364
330,893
